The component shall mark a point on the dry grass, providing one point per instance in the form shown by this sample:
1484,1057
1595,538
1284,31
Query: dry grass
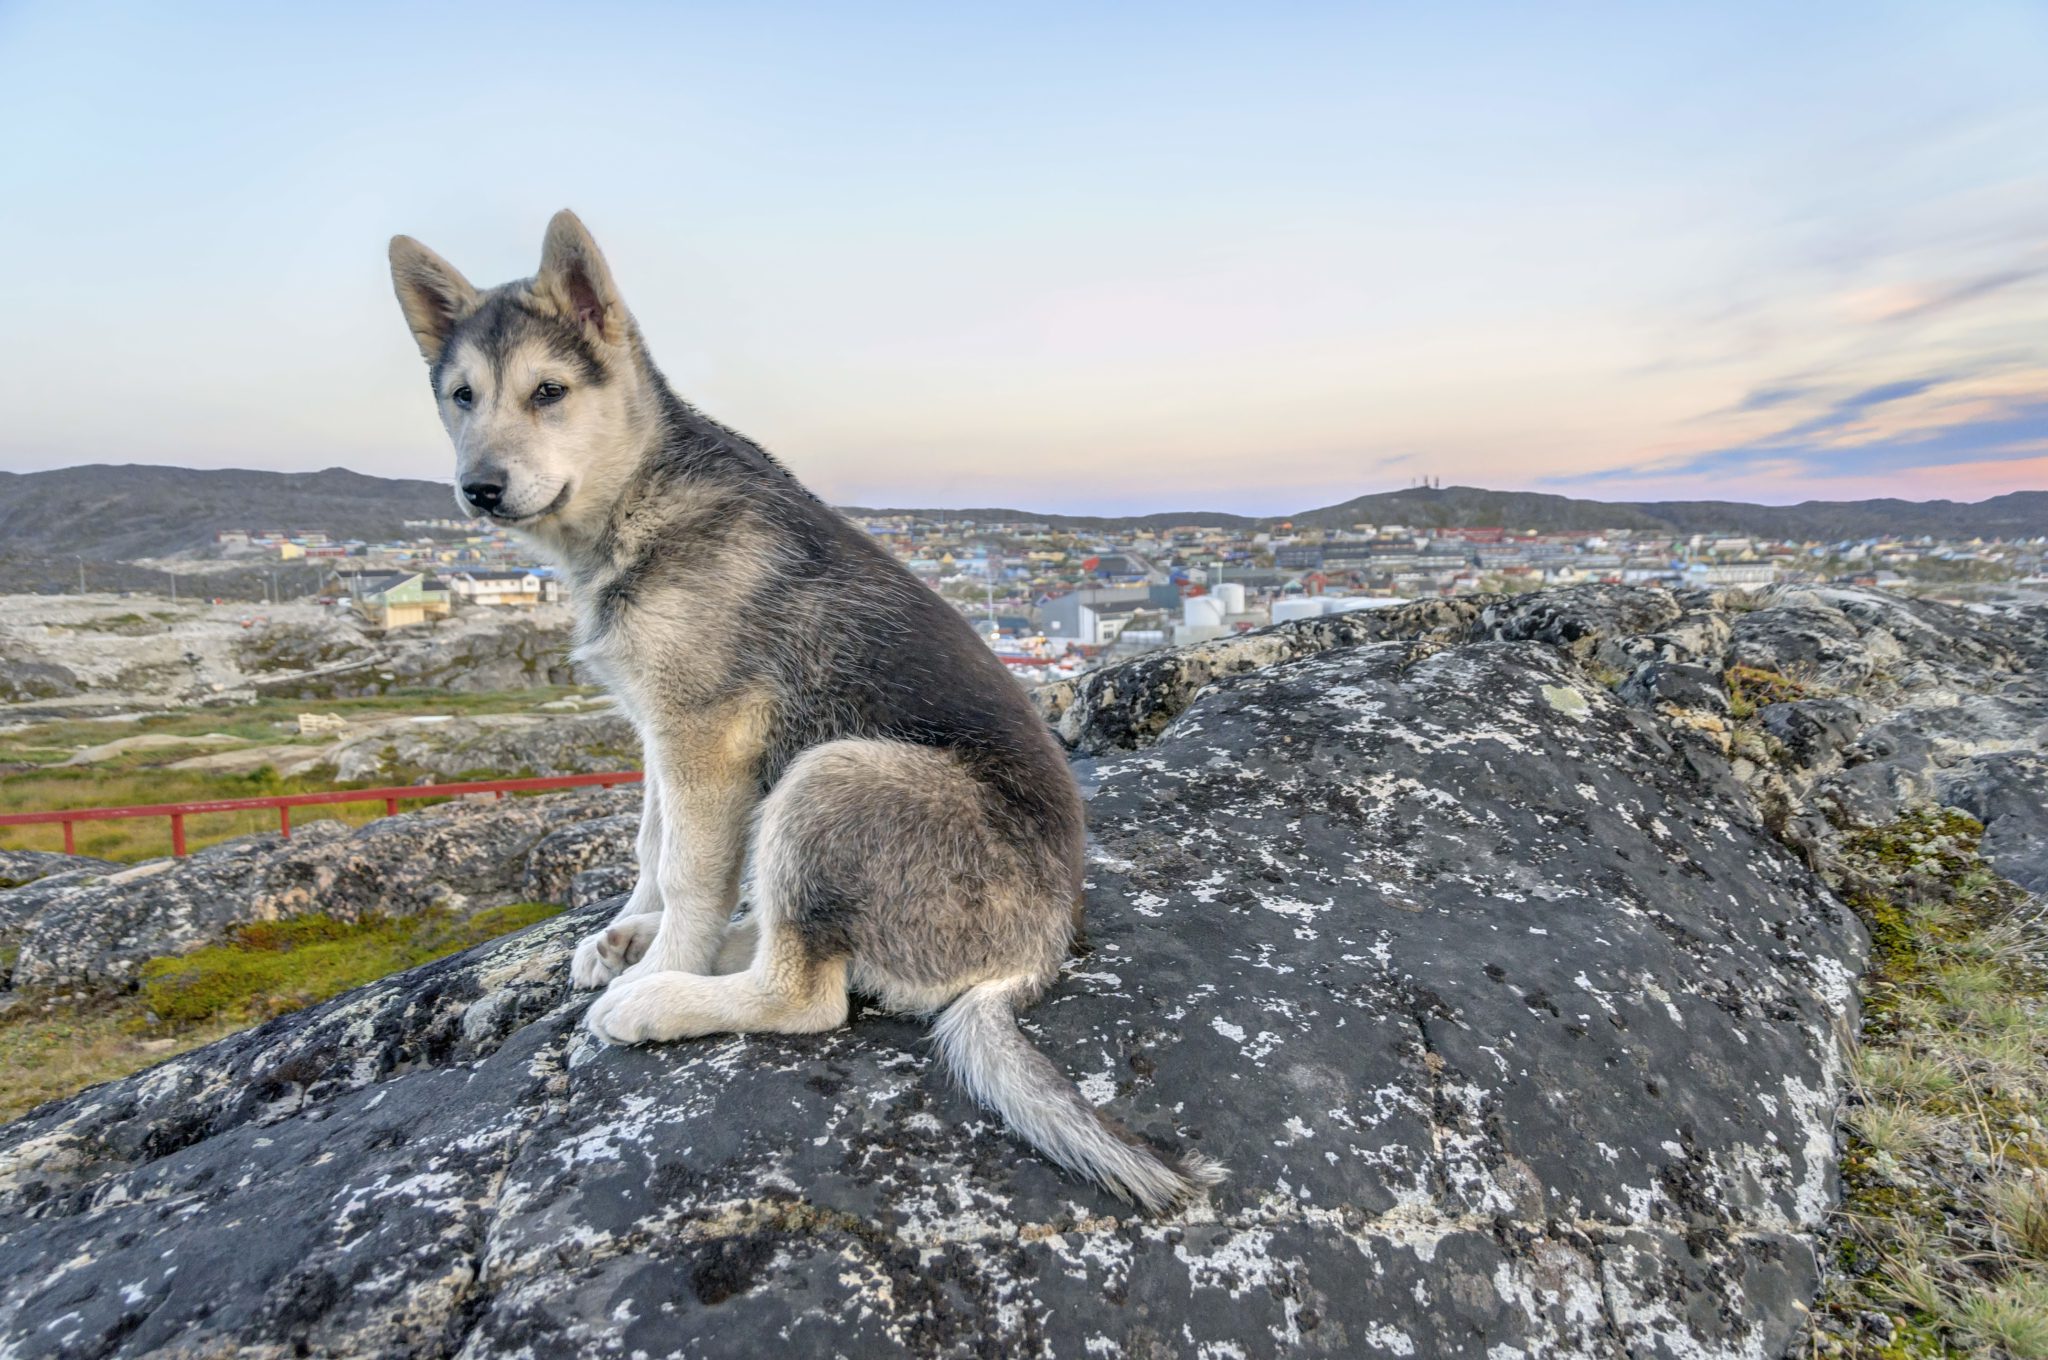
45,1055
1751,689
1895,1128
1944,1227
35,781
2011,1316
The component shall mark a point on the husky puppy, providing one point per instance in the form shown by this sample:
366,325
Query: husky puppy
800,697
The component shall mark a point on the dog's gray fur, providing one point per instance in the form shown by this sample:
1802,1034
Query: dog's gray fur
915,832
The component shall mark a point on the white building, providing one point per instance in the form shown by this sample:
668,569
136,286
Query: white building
516,589
1731,574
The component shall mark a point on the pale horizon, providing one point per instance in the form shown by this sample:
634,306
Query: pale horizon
1084,263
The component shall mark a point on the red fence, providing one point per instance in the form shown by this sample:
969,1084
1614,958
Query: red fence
285,802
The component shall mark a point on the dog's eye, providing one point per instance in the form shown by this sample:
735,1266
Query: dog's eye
462,396
548,393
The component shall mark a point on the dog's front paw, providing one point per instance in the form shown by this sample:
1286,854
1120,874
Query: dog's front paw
603,956
646,1010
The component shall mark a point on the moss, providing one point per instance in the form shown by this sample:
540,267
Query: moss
269,967
1609,677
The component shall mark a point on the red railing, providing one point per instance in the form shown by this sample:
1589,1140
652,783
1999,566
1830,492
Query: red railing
285,802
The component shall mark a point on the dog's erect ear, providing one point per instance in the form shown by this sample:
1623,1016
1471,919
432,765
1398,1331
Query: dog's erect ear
432,291
575,281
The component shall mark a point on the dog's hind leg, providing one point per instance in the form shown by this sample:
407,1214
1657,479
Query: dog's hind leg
795,978
742,940
784,991
602,956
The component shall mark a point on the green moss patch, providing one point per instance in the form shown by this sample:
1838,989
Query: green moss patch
269,967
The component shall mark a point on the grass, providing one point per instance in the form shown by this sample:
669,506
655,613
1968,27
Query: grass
46,1055
264,969
1941,1246
1752,688
36,781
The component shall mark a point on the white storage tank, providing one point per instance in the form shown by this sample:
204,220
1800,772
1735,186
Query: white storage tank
1232,595
1202,611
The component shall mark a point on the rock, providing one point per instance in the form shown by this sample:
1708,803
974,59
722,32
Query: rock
1674,687
1587,621
1514,1032
608,880
286,760
23,678
93,932
30,880
1123,706
1815,732
490,745
479,651
148,741
1893,702
26,866
2008,792
563,857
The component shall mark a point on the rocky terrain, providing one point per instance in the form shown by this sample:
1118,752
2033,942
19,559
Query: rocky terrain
109,652
1488,942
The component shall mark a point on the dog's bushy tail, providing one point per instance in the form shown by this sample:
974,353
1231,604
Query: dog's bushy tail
980,1041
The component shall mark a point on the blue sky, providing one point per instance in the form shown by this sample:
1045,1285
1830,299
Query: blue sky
1131,257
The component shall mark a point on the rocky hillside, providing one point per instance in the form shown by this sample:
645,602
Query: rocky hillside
117,513
103,649
1489,943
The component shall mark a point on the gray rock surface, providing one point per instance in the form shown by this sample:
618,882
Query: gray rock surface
492,745
560,859
1894,702
26,866
498,654
90,931
23,677
1517,1027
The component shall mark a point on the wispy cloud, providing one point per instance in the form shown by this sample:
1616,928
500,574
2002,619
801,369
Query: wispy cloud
2017,433
1765,398
1958,294
1851,408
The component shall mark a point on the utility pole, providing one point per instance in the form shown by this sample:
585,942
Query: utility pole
174,587
81,576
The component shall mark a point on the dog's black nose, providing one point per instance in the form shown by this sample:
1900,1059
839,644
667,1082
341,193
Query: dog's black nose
483,495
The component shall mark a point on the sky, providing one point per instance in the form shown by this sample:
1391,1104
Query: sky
1073,258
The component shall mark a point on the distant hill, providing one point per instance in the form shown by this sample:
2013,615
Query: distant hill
1165,519
109,513
2021,514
